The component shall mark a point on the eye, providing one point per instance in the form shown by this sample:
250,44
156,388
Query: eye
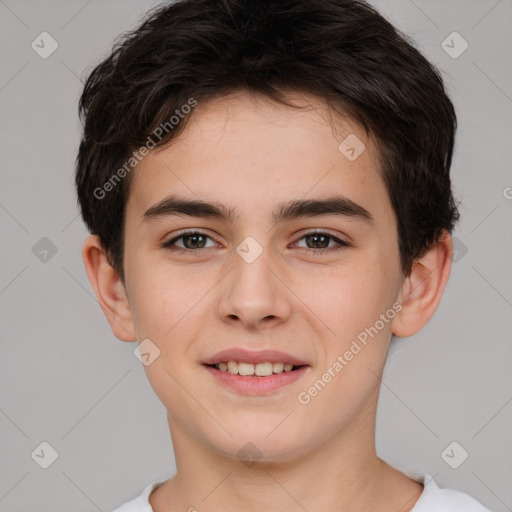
191,240
319,242
316,242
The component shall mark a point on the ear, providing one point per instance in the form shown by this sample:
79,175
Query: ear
109,289
422,290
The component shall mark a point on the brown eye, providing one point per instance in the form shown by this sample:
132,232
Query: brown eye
318,242
194,241
190,241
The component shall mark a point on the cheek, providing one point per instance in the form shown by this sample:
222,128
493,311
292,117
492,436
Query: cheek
354,356
349,298
164,298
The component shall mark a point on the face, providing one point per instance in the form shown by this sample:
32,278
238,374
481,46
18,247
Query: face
294,261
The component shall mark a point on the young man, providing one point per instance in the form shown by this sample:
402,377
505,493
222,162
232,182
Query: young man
267,187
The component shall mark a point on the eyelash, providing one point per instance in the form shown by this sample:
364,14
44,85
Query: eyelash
342,244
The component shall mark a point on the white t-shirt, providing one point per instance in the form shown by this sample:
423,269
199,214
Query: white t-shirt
432,499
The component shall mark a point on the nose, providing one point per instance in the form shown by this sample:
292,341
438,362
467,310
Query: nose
253,294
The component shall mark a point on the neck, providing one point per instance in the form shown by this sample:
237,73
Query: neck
342,473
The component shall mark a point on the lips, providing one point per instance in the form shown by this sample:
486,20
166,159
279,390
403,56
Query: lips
255,372
241,355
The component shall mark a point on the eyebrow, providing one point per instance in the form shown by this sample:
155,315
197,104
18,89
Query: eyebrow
299,208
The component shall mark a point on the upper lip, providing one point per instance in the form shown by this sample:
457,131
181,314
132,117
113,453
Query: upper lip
254,357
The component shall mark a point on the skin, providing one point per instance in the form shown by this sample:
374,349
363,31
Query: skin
251,154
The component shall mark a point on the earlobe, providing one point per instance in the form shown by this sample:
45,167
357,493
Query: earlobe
109,289
423,289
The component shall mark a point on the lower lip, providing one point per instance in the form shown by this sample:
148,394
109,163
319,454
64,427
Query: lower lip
253,385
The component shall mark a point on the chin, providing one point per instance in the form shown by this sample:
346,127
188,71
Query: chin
261,447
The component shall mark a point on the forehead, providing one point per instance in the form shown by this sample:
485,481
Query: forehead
247,151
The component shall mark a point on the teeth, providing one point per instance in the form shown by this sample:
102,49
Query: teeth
278,367
245,369
233,367
263,369
260,369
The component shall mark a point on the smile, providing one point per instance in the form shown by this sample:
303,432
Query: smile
255,372
264,369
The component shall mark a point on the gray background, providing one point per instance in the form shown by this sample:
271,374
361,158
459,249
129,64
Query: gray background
64,377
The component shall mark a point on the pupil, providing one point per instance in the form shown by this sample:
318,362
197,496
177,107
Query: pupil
195,241
316,239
